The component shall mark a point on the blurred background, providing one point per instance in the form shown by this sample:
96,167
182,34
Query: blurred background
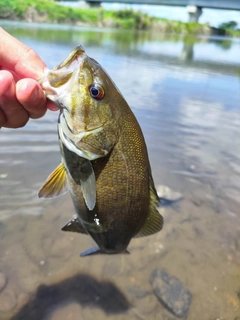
179,72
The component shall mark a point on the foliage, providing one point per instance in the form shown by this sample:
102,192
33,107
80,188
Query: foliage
54,12
130,19
50,11
8,7
230,28
232,33
228,25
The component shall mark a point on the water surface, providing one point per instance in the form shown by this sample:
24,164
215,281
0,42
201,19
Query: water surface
184,92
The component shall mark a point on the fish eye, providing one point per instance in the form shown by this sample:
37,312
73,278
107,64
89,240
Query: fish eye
96,91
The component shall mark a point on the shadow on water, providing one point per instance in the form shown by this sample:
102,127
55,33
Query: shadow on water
82,289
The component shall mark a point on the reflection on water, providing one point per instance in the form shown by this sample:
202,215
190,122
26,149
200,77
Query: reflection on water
185,94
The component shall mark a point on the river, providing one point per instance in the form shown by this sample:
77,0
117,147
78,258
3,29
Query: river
184,92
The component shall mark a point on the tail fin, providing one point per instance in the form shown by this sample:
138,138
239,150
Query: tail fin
96,250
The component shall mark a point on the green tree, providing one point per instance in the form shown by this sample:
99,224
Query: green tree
228,25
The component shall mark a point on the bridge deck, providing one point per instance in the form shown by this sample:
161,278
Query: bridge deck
214,4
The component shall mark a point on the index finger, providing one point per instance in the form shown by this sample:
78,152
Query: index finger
23,60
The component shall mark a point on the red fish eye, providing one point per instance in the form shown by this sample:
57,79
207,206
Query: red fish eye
96,91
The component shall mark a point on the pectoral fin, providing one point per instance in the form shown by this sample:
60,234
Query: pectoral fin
154,222
56,184
88,184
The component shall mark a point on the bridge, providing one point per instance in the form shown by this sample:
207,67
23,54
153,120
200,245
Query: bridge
212,4
194,7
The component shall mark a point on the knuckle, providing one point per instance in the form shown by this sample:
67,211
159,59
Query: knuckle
3,119
19,124
38,115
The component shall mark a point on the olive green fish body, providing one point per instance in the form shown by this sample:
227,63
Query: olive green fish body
123,194
105,162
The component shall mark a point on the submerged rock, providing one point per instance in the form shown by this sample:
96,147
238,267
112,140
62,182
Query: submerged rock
168,195
171,292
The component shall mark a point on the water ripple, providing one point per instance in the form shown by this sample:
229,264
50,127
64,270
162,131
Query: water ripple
37,136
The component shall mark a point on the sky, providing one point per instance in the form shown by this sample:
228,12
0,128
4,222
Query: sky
211,16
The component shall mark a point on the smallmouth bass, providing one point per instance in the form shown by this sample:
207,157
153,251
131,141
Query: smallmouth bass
105,162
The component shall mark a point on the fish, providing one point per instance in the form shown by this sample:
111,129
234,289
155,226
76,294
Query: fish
104,159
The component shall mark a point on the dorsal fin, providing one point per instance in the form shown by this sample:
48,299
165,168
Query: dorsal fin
154,222
56,183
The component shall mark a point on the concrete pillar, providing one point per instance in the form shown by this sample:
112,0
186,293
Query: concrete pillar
194,13
93,4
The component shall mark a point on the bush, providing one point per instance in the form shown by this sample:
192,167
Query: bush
129,19
10,8
228,25
55,12
125,19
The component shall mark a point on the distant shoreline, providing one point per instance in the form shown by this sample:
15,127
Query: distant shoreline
50,12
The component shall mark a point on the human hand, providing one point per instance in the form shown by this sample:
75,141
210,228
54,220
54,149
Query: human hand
21,96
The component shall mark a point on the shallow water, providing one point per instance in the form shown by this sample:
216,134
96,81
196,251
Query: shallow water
185,94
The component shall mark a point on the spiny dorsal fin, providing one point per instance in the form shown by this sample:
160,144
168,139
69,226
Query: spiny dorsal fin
56,184
154,222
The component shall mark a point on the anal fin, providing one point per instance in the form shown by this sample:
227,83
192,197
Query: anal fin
74,225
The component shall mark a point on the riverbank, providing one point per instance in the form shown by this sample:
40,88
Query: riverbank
50,11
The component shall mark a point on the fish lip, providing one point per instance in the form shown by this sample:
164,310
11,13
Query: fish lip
64,70
76,52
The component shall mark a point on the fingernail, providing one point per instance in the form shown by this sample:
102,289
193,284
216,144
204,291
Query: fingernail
21,85
26,90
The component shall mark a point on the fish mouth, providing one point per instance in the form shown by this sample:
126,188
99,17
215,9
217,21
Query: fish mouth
56,80
62,72
69,64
